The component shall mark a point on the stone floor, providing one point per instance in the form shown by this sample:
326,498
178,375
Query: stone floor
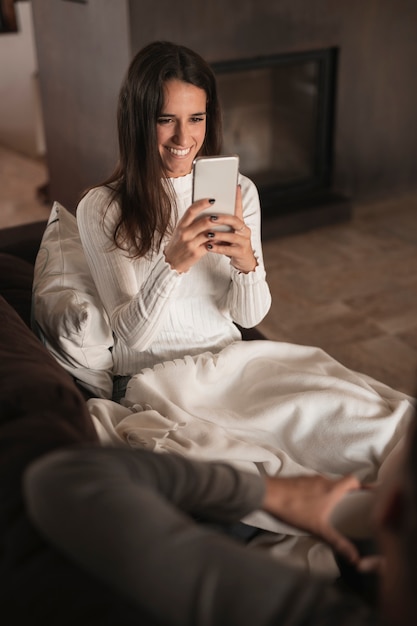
350,288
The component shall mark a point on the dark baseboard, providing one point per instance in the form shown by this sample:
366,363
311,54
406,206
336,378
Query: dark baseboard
305,214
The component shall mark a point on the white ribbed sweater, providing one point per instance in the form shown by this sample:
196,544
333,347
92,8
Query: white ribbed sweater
157,314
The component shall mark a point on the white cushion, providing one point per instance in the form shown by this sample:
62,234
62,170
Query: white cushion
67,312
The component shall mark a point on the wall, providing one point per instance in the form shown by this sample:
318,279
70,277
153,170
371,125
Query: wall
84,49
21,126
83,53
376,137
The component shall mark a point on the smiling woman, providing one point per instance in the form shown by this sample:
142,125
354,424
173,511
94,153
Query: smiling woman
181,127
175,290
170,284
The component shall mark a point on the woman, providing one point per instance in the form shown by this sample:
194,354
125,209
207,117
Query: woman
174,288
171,286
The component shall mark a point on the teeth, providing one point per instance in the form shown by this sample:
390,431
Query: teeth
179,152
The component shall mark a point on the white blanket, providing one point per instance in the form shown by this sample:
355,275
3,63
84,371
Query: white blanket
269,407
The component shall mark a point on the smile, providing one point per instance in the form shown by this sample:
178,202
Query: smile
177,152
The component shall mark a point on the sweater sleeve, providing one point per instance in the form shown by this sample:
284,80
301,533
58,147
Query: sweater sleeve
249,298
117,513
134,292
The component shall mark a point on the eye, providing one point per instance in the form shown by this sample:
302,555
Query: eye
164,120
196,119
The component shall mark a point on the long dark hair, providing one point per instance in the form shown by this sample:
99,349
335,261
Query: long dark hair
146,203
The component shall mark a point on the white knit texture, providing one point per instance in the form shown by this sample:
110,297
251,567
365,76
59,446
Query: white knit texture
157,314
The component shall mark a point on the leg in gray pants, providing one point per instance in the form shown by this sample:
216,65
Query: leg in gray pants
126,516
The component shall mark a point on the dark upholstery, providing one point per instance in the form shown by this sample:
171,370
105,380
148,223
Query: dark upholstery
22,241
41,409
16,276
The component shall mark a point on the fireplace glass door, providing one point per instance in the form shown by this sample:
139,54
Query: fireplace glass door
278,117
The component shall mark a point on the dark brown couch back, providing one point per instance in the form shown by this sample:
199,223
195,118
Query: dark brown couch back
41,410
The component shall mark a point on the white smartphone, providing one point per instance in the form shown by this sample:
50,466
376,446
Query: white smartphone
216,177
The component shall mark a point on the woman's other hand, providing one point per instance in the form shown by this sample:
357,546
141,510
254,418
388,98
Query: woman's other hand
195,235
235,244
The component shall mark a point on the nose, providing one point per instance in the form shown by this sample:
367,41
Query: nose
181,134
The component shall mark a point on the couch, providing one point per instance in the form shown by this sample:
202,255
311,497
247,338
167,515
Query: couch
41,409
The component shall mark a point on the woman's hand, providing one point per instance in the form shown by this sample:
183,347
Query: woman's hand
194,236
235,244
190,239
307,502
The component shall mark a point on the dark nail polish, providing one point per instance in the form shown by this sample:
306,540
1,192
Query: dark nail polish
213,218
209,246
212,200
210,234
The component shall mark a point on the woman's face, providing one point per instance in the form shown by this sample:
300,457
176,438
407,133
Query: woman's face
181,127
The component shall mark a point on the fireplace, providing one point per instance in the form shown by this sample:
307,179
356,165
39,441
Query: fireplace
278,116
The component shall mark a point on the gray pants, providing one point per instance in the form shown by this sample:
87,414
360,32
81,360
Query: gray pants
127,517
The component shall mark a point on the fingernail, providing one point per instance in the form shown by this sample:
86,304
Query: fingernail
212,200
209,246
213,218
210,234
